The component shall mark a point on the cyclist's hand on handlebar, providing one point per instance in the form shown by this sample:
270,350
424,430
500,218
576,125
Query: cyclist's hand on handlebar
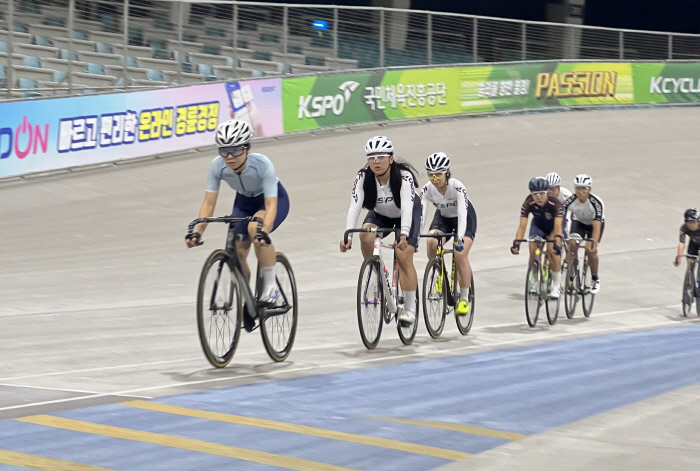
515,249
193,240
401,244
345,247
677,261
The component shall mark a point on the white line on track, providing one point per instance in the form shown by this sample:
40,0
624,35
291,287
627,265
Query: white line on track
354,363
77,391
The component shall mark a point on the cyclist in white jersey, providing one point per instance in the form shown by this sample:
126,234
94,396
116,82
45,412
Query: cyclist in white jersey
560,193
259,194
587,220
453,214
386,188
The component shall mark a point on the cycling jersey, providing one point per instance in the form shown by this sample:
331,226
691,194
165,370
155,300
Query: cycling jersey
591,210
693,235
257,178
453,204
385,205
552,209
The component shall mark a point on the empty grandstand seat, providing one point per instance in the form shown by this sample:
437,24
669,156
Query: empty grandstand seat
162,24
58,22
133,51
262,66
48,31
3,46
184,47
17,59
317,61
210,59
36,51
42,41
341,64
226,73
155,75
31,61
103,48
102,59
3,77
157,64
30,85
207,71
65,54
260,46
95,69
298,42
107,38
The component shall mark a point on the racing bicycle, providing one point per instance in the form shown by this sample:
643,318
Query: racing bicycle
538,284
225,300
441,291
691,285
379,298
578,281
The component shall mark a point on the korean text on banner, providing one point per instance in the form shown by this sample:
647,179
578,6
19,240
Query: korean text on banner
59,133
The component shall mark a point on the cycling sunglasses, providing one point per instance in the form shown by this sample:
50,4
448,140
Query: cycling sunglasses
437,175
235,151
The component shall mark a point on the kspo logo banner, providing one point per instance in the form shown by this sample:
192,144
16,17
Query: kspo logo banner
23,140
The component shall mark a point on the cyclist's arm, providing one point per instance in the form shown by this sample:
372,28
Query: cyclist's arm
207,210
407,194
462,211
558,223
424,199
597,228
681,244
520,233
356,200
270,214
269,185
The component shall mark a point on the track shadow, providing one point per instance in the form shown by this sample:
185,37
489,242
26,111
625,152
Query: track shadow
523,329
517,296
574,321
231,371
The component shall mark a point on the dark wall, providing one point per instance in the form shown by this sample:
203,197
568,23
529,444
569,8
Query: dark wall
660,15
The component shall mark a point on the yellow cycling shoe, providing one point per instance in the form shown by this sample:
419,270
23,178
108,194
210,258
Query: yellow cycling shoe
462,308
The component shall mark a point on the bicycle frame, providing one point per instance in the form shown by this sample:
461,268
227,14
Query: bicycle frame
440,255
248,296
389,286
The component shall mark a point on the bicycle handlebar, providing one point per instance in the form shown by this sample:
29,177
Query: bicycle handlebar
224,219
692,257
537,239
370,229
439,235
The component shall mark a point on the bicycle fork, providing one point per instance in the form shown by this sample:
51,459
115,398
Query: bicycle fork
387,283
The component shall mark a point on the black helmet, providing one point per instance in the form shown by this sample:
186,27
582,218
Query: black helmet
691,215
538,184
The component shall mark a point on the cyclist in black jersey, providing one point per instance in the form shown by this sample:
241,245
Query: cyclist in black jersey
691,228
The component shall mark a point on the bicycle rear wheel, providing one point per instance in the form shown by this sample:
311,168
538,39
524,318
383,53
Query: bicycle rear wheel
219,309
697,292
279,330
406,332
533,302
370,303
465,321
688,292
571,289
587,297
434,306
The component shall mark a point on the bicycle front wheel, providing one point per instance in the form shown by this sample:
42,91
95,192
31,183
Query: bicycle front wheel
370,303
587,297
533,301
279,330
697,292
688,292
552,304
219,309
434,306
571,289
465,321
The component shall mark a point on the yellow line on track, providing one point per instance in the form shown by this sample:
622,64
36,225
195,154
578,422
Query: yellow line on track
42,463
302,430
172,441
487,432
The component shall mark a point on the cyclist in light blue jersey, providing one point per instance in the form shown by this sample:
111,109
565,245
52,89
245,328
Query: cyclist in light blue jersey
259,194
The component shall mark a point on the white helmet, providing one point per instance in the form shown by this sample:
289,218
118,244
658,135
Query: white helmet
233,132
379,144
553,179
437,162
583,181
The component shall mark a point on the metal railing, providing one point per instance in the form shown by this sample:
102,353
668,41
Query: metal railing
60,47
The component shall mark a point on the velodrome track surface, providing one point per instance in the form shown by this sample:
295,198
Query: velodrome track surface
101,363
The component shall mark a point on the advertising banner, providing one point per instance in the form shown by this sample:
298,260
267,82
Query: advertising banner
65,132
512,87
317,102
666,82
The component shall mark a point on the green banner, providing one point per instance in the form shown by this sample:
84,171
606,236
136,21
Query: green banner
317,102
